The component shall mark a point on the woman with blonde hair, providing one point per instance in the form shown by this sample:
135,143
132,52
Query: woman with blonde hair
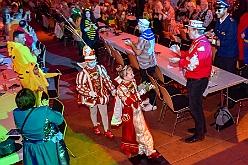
191,13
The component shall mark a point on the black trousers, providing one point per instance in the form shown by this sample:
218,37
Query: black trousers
196,88
226,63
144,77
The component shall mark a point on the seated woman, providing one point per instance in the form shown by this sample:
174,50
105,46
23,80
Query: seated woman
146,14
109,15
121,21
43,144
157,21
191,13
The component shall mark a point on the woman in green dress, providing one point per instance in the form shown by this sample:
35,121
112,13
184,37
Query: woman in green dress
76,21
43,144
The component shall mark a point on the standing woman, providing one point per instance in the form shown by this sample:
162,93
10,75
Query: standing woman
76,21
43,144
89,29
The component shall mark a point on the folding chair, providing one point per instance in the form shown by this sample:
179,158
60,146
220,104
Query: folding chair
133,62
59,107
53,89
178,103
163,79
239,93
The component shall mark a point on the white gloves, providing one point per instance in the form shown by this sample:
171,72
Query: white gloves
113,92
93,94
175,49
95,27
70,20
37,51
174,60
142,91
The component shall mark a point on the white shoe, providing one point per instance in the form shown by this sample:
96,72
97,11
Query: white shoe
149,107
146,101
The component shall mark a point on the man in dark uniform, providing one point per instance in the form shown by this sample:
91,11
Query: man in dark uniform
224,36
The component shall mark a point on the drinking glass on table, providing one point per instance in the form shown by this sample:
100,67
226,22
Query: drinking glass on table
5,87
4,76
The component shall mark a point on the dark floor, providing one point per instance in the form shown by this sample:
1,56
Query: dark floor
219,148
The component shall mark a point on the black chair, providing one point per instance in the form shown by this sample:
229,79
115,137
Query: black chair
239,93
59,107
53,91
42,55
178,103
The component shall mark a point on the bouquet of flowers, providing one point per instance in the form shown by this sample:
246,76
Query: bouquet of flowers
146,86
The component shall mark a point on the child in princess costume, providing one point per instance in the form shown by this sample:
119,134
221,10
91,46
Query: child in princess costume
136,136
93,84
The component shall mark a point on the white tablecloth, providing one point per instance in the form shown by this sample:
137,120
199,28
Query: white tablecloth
223,79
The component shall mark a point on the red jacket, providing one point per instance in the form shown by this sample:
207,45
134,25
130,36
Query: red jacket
198,60
243,24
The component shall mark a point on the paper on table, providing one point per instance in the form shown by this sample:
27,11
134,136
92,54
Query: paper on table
211,84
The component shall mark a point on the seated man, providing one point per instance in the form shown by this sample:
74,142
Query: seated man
29,33
20,54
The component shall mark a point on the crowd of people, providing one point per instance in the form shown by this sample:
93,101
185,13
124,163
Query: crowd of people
219,24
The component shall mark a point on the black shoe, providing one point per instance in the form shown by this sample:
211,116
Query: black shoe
194,138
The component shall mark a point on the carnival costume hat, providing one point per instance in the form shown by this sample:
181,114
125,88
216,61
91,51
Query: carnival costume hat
29,76
221,4
144,22
147,34
76,11
88,53
196,24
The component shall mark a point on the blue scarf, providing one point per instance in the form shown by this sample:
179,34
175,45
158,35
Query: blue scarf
148,35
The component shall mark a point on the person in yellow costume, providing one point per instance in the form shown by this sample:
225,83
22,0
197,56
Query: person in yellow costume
20,54
35,80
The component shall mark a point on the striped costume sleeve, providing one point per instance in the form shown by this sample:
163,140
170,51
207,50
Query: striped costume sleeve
82,84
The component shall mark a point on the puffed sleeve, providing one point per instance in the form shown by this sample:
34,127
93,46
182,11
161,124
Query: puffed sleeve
54,116
198,58
82,83
126,96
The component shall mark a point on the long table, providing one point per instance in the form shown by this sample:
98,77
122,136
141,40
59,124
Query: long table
222,78
7,102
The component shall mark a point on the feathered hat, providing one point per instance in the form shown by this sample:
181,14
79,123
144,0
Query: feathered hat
88,53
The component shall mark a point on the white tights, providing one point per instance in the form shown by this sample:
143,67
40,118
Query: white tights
104,115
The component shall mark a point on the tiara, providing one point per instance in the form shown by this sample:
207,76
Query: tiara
121,68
